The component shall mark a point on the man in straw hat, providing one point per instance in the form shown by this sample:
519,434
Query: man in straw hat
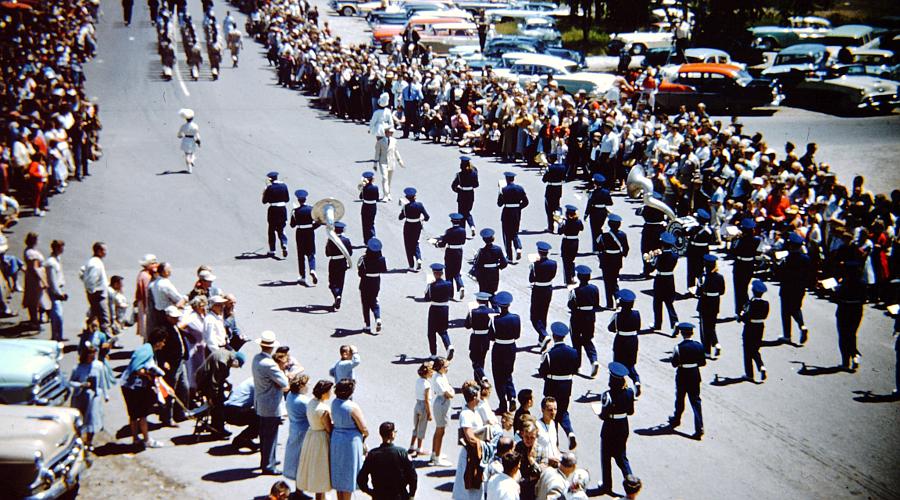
269,385
189,133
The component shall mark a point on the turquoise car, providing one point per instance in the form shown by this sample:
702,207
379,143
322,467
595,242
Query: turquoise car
799,30
30,373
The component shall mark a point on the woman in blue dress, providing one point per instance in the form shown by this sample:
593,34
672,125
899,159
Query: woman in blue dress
296,402
90,382
101,341
346,439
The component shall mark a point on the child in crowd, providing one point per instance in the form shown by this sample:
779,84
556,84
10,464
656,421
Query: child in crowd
422,410
344,368
526,401
441,409
90,381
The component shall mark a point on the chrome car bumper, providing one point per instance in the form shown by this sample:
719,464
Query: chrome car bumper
64,475
883,101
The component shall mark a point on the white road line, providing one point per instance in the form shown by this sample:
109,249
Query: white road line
180,80
177,69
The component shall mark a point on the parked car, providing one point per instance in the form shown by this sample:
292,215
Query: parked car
509,43
719,86
378,18
383,35
42,456
876,62
800,29
30,374
793,64
358,8
538,68
444,36
542,28
522,10
638,42
851,35
666,55
853,91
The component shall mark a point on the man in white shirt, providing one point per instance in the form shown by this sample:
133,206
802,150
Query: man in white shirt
548,439
214,333
93,275
56,288
504,486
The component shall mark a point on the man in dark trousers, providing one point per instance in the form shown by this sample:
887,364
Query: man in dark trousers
488,263
504,330
754,315
699,238
369,195
277,197
709,296
337,264
393,474
617,404
625,324
369,269
439,292
687,358
570,229
614,249
597,208
664,282
553,178
127,6
512,199
412,214
479,321
453,240
212,382
851,297
654,225
172,358
796,274
305,238
558,367
745,252
464,185
584,300
541,278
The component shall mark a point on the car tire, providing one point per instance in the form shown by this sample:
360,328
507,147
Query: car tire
638,49
347,11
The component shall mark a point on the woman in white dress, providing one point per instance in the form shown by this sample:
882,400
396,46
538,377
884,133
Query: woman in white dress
470,424
189,133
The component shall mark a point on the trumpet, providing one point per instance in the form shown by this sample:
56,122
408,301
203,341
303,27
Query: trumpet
558,216
652,254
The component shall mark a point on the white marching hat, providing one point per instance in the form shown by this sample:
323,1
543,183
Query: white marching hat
384,99
186,113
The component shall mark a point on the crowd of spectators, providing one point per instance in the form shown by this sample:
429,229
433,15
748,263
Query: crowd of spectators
50,126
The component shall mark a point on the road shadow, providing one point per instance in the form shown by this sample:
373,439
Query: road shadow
344,332
596,492
772,343
815,371
174,172
403,359
113,448
446,487
871,397
589,397
189,439
726,381
118,355
651,331
252,255
663,430
420,300
277,283
308,309
228,450
125,430
18,330
456,323
442,473
633,277
230,475
69,348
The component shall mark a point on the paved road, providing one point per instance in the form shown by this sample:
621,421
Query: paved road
796,436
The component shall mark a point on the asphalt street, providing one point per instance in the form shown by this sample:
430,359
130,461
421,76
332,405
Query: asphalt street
813,433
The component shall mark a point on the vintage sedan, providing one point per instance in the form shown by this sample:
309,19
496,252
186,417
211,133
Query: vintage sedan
30,374
793,64
799,30
638,42
540,68
719,86
542,28
42,456
383,35
444,36
854,91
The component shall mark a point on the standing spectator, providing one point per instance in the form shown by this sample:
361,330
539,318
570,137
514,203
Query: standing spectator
191,324
173,360
468,482
387,158
422,410
214,334
93,274
137,388
314,474
37,173
344,368
56,284
393,474
142,297
504,486
269,383
35,281
163,294
89,380
443,395
296,403
347,439
235,338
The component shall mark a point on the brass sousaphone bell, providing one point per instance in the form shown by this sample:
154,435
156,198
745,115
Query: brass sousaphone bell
327,211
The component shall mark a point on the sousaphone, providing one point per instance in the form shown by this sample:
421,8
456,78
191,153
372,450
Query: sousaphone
638,185
327,211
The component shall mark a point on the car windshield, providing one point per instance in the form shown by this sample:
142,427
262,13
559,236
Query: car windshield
870,59
796,59
841,41
742,78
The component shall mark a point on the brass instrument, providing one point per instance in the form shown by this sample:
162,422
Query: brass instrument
327,211
638,185
652,255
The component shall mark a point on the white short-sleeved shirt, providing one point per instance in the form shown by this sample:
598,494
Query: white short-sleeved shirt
547,440
441,384
469,419
164,294
422,384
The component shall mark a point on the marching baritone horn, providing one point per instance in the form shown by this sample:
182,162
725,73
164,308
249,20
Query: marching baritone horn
327,211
